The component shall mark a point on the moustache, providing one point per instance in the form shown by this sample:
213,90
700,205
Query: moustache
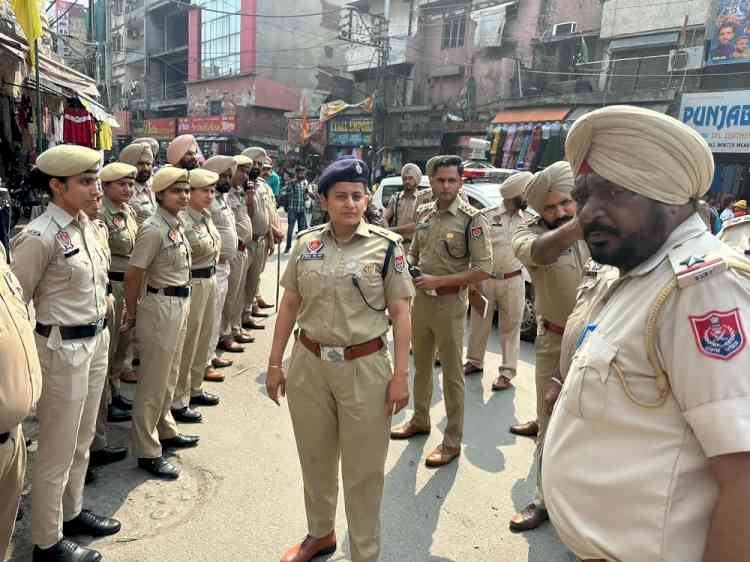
561,221
589,229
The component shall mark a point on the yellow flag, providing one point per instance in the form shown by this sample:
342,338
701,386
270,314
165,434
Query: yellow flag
29,17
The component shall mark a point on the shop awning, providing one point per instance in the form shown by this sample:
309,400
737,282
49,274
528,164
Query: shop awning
531,115
582,110
98,111
645,41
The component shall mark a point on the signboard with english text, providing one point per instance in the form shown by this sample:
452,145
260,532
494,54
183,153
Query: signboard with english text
722,118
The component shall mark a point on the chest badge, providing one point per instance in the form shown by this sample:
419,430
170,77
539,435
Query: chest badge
719,334
449,236
172,235
314,250
119,221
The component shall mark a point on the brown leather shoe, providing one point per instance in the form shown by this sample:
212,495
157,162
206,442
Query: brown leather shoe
221,363
442,455
471,369
131,377
310,548
528,429
530,518
230,346
408,430
502,382
244,338
212,375
260,303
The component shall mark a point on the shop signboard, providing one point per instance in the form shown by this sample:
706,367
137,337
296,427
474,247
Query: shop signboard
350,131
722,118
161,129
210,125
728,32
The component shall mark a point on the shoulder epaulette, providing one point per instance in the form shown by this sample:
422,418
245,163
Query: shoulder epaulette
309,230
592,268
735,221
385,233
694,263
38,225
468,209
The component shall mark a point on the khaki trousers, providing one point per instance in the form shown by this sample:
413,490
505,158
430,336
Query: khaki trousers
12,472
222,286
108,388
258,257
73,374
195,352
161,327
338,412
439,322
231,322
547,347
508,296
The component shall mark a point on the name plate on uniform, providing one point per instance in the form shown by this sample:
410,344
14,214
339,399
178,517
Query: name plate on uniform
332,354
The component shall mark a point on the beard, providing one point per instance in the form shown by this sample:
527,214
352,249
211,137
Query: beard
223,187
558,223
143,177
189,165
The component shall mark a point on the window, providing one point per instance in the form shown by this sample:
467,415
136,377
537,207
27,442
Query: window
216,107
220,38
454,29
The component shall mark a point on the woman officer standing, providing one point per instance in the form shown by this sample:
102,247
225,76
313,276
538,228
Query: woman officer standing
341,278
205,245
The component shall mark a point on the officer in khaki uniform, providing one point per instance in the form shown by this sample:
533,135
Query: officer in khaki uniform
452,249
342,388
142,200
223,218
20,387
63,268
205,245
401,213
555,261
505,288
657,366
736,233
162,256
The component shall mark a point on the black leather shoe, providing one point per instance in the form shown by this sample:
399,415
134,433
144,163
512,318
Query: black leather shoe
251,324
160,467
187,415
204,399
181,442
108,455
91,476
91,524
259,314
66,551
121,402
117,415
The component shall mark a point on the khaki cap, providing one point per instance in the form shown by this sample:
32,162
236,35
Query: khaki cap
220,164
168,176
117,171
134,153
200,178
67,160
255,153
243,160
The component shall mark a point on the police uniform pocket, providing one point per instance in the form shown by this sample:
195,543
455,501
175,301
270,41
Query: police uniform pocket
309,280
455,244
586,392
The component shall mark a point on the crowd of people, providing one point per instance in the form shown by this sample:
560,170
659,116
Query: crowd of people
640,358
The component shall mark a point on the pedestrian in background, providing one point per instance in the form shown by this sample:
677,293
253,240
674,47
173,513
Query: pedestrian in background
296,195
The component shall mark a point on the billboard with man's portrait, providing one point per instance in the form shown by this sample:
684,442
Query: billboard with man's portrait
729,32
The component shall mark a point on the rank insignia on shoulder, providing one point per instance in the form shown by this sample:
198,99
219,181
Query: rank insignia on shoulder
33,232
719,334
698,268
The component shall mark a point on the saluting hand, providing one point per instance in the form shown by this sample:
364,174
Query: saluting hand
275,383
397,395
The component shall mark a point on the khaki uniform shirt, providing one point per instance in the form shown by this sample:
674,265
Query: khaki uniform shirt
122,226
502,227
203,237
270,199
554,285
402,209
143,201
261,216
162,249
236,200
736,233
102,236
333,312
223,219
63,267
21,380
651,462
441,247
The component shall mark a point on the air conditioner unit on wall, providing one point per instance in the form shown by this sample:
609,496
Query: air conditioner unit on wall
564,28
688,58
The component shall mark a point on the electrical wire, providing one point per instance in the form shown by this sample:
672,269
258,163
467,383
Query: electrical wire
266,16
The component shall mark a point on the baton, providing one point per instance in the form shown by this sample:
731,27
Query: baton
278,274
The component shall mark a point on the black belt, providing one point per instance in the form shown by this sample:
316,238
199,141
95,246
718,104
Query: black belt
73,332
203,273
405,241
4,437
116,276
182,292
109,288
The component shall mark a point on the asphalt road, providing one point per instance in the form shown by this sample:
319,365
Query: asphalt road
239,497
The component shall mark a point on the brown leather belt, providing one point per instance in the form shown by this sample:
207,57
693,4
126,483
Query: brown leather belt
595,560
350,353
512,274
448,290
554,328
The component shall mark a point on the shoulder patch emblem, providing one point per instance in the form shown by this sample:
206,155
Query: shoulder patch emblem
399,264
477,232
64,239
119,221
172,235
313,250
719,334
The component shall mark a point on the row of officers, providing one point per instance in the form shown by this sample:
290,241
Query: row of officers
169,261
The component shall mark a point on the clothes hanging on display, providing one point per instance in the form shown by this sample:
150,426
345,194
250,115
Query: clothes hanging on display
79,127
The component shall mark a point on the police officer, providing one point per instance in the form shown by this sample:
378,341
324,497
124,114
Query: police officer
63,268
142,200
555,258
182,152
401,213
452,249
20,387
153,145
342,388
162,256
736,233
659,372
505,288
205,245
223,218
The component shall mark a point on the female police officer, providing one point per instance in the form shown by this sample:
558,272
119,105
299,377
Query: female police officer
341,278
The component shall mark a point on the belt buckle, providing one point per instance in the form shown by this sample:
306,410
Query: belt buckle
332,354
100,324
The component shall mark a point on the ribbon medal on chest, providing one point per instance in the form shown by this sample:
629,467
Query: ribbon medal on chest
314,250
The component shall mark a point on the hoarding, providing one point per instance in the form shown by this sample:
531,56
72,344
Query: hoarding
722,118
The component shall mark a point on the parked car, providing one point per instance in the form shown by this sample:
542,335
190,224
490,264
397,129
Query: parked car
482,170
481,195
